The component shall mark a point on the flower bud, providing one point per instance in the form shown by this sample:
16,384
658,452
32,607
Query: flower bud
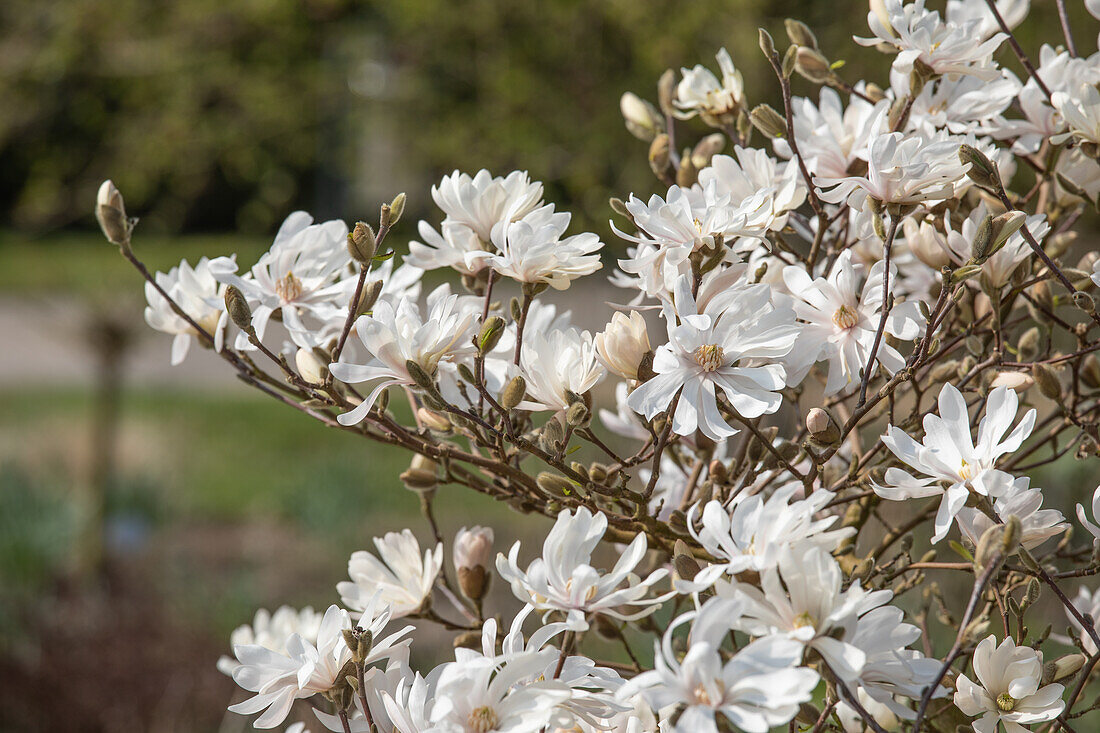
1090,371
811,65
706,149
981,170
767,43
925,242
368,297
1004,226
685,564
555,484
434,421
623,343
421,475
821,425
800,33
1084,301
362,244
490,334
789,59
391,212
473,549
578,415
1010,538
1017,381
1067,666
666,92
983,241
513,393
237,307
1027,348
768,121
659,159
110,212
420,377
687,174
964,273
642,119
1047,382
310,366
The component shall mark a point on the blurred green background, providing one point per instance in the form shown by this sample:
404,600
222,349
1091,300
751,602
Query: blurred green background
216,119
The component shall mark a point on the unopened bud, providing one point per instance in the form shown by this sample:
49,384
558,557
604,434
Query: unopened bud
964,273
821,425
659,160
706,149
767,43
768,121
110,212
1004,226
368,297
666,92
420,377
800,33
513,393
685,564
687,174
310,366
811,65
554,484
490,334
981,170
577,415
642,119
1090,371
789,59
988,545
1067,666
1027,348
983,241
416,479
473,549
1046,380
1010,538
1084,301
237,307
435,421
391,213
717,471
362,244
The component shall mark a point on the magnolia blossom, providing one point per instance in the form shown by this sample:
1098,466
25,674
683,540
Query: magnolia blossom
700,92
901,169
563,579
396,334
305,275
831,137
271,631
532,250
949,456
1037,525
740,179
1009,690
481,202
448,247
305,669
473,548
753,534
962,105
801,597
399,574
199,294
623,344
715,350
919,34
558,366
757,688
1081,111
842,321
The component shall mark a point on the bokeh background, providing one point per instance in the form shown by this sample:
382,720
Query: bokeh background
146,511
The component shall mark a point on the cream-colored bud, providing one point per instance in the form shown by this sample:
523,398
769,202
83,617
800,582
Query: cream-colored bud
643,120
310,366
362,243
811,65
623,343
768,121
391,213
925,242
473,549
1018,381
821,425
110,212
706,149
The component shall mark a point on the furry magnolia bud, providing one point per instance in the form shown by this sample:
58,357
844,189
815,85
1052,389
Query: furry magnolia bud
110,212
768,121
490,334
659,157
643,120
685,564
1047,382
811,65
513,393
391,212
800,33
821,425
981,169
237,307
362,244
555,484
767,43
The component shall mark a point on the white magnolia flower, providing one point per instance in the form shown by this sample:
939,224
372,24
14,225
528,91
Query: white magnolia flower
961,105
396,334
473,548
901,169
852,722
832,137
623,343
1008,689
801,598
754,532
1081,517
961,12
741,179
305,669
1083,175
447,247
624,421
1081,111
1088,603
200,296
531,250
949,457
700,92
1037,525
718,349
409,706
399,573
946,47
563,579
756,689
271,631
305,276
556,364
842,318
481,202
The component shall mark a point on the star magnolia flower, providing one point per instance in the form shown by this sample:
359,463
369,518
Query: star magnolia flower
1008,689
715,350
446,248
1081,111
556,364
304,274
901,169
200,296
949,456
701,93
400,574
532,250
563,579
754,532
946,47
1037,525
832,137
271,631
306,669
623,343
740,179
481,202
961,105
758,688
961,12
801,598
842,321
396,334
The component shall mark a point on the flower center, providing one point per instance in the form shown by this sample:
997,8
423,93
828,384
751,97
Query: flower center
288,288
844,318
698,225
966,471
588,595
482,720
803,619
700,696
709,356
1006,702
